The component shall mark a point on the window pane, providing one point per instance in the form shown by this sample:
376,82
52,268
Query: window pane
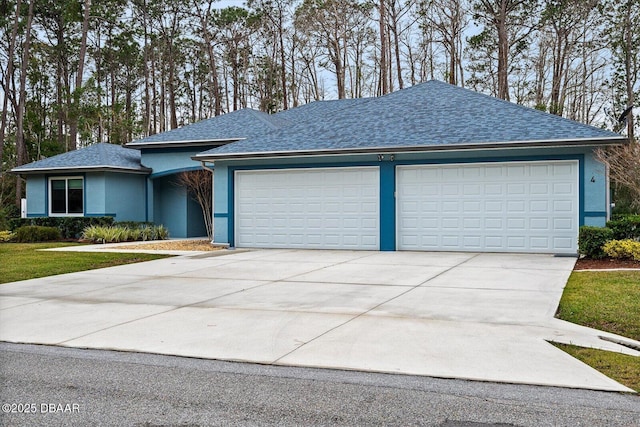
75,196
58,184
75,184
75,201
58,198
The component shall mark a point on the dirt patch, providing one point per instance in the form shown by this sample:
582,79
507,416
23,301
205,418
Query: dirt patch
174,245
604,264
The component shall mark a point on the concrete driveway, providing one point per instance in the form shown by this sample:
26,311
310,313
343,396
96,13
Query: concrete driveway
452,315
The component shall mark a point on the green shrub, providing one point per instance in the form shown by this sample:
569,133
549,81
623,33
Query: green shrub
591,240
116,234
625,227
624,249
6,236
37,233
7,214
70,227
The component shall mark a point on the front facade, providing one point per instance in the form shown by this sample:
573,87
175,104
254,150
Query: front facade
433,168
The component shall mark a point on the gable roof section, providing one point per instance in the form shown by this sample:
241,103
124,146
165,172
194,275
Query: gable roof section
96,157
428,116
222,129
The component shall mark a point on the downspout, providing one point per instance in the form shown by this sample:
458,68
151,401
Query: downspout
205,167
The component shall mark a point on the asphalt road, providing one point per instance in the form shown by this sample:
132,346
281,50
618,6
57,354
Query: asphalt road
42,385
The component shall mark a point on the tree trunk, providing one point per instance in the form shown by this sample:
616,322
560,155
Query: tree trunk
73,125
283,63
9,75
628,43
21,149
503,53
396,43
384,85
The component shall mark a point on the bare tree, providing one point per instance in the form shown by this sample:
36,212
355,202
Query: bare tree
332,23
73,125
511,22
199,184
449,19
623,163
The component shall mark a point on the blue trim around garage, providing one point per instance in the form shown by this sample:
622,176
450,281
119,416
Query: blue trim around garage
230,207
388,186
580,190
592,214
32,215
387,206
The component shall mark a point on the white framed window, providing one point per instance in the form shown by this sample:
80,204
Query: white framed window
66,196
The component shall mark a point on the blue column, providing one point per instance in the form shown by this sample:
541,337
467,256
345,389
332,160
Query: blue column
387,206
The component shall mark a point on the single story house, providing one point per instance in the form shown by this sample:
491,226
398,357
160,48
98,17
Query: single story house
433,167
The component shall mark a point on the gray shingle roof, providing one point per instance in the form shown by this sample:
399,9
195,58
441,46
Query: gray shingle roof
431,114
96,156
231,126
317,109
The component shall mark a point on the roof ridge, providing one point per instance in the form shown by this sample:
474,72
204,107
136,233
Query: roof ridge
261,115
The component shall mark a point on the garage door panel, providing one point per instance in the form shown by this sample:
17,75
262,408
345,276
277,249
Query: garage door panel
507,207
310,208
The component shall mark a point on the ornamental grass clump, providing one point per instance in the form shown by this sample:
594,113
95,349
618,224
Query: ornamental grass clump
623,249
117,234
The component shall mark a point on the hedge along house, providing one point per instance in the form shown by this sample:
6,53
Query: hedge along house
433,167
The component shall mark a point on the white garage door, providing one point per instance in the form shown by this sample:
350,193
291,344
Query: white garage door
333,208
494,207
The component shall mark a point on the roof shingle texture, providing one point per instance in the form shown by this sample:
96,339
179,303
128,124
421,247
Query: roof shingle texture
234,125
93,156
428,114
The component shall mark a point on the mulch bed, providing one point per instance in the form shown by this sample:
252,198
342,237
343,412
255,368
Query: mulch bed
604,264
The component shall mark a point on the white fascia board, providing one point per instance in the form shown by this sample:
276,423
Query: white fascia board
101,168
559,143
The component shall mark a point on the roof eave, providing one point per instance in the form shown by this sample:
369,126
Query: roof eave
78,169
413,149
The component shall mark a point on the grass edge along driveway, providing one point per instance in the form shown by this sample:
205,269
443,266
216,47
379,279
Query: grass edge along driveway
608,301
22,261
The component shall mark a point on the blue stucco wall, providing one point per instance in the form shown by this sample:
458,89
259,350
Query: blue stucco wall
173,208
95,195
593,202
125,196
195,220
169,207
36,195
105,194
169,161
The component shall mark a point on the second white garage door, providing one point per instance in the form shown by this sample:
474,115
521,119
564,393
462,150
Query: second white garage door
332,208
491,207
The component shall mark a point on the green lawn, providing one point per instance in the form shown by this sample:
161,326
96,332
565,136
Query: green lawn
609,301
621,367
21,261
605,300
